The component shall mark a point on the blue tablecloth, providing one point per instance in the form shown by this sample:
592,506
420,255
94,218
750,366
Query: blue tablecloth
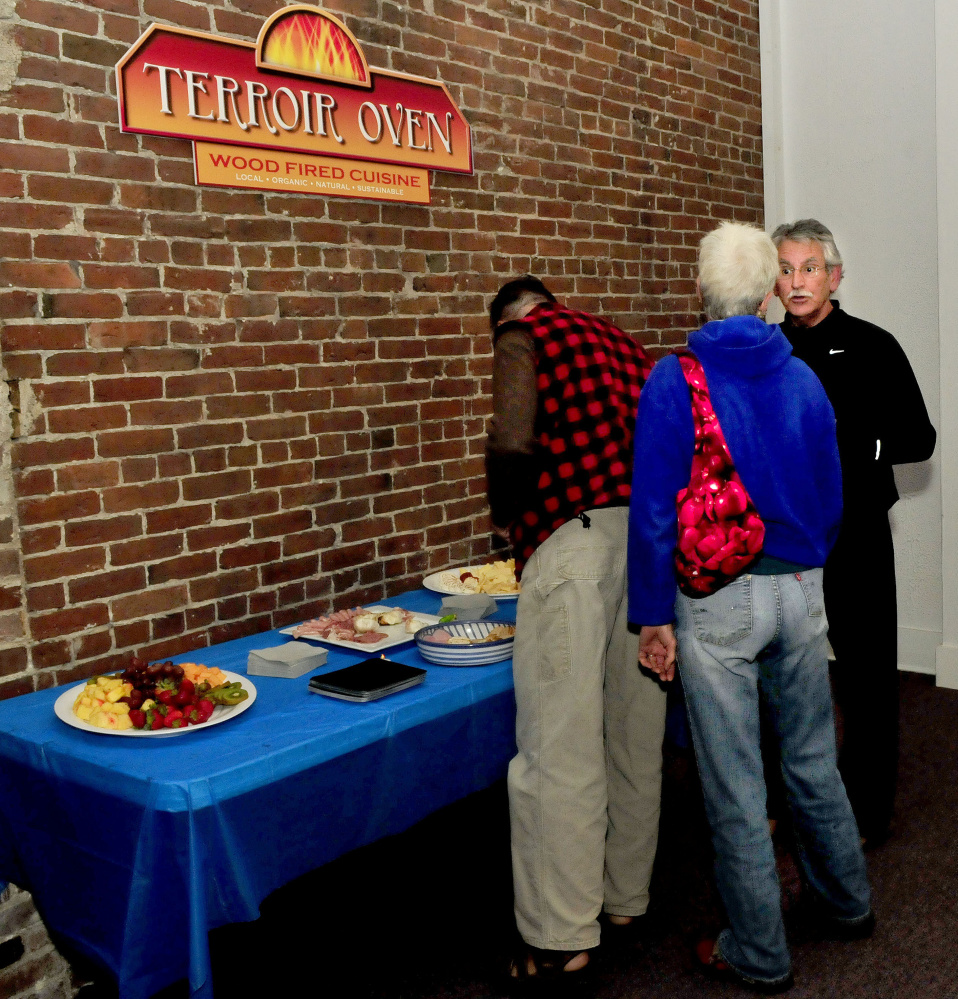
135,848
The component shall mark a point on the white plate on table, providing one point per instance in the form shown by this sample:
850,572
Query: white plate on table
63,707
396,634
437,585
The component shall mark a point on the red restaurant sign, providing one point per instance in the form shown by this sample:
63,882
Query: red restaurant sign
303,88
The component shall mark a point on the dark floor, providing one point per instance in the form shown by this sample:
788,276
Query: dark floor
427,915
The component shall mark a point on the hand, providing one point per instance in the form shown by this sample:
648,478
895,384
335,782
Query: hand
657,650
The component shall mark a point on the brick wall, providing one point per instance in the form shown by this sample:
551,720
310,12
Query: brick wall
234,409
30,966
229,410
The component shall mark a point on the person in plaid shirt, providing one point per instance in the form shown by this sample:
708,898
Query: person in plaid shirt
585,785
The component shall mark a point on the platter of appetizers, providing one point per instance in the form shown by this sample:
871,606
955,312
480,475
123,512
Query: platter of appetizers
364,629
172,700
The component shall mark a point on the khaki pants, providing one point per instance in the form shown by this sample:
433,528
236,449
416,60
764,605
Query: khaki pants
585,787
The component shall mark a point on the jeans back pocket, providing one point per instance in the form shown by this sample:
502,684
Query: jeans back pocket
810,581
724,617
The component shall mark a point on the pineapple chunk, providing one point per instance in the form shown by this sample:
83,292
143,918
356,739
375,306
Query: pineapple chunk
99,703
109,717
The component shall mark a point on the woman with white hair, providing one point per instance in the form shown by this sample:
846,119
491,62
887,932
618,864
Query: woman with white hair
736,502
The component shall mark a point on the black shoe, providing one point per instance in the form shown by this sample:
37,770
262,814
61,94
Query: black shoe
833,928
821,924
814,920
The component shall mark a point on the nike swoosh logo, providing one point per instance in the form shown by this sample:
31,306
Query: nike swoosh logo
833,351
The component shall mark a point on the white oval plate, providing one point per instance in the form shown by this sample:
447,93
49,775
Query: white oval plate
396,634
434,583
63,707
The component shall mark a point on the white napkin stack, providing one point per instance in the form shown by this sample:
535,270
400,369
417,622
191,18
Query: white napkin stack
468,607
290,660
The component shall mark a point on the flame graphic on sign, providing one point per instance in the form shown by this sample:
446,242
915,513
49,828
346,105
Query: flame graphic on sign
313,43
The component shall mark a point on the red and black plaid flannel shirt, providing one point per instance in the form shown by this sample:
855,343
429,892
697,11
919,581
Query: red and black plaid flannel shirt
589,375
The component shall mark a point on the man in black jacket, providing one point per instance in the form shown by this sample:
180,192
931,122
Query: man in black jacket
882,421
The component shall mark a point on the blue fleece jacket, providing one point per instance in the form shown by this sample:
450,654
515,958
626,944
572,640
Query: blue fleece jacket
780,430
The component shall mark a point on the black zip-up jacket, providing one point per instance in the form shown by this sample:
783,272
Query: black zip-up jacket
880,413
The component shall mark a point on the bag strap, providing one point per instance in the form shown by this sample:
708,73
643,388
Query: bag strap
720,533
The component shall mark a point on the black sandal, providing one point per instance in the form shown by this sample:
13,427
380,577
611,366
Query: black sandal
535,966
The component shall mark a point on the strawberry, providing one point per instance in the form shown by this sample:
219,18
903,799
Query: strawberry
137,717
185,694
172,716
200,711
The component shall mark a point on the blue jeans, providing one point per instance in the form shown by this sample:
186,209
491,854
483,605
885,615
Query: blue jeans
763,638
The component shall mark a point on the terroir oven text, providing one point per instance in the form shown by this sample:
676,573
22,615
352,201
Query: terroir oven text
283,109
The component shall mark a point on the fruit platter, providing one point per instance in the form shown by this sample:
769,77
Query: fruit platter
155,699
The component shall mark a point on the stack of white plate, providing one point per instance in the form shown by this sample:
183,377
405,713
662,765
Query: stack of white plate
452,654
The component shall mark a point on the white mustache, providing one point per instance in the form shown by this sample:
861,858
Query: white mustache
797,293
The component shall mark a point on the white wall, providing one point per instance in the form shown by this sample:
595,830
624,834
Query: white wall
946,23
849,116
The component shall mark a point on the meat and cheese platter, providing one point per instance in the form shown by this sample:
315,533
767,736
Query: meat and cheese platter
363,629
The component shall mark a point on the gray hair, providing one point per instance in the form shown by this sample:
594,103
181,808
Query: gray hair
738,267
807,231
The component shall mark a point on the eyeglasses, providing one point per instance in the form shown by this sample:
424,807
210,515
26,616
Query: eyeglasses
807,270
